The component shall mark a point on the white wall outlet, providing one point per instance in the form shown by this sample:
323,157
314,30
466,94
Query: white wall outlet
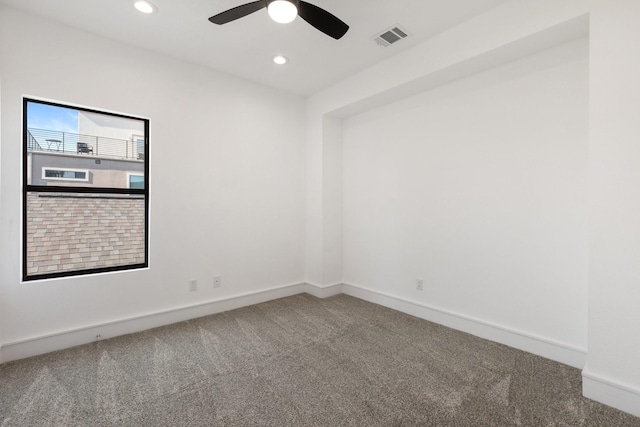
193,285
217,281
419,284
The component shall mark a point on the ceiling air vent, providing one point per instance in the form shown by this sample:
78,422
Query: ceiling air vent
390,36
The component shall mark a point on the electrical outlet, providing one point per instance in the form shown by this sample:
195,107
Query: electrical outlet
419,284
193,285
217,281
98,337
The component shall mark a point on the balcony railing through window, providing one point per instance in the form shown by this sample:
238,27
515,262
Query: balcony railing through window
80,144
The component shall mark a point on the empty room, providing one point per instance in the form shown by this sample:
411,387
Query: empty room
322,213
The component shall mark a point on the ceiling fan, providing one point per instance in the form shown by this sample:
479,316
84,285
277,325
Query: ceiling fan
285,11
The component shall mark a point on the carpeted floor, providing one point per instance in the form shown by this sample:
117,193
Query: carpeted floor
298,361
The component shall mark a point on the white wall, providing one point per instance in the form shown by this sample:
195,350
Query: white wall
479,188
514,29
226,179
521,29
3,302
612,374
90,123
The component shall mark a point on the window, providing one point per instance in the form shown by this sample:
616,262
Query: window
65,174
138,146
136,181
85,191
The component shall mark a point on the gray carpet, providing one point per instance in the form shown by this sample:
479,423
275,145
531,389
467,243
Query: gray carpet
298,361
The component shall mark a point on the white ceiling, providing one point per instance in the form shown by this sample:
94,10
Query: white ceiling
245,47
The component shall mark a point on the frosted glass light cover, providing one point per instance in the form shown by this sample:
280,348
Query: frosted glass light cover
280,60
282,11
144,6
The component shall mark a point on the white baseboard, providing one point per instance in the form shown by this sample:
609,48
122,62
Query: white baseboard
594,386
323,291
550,349
610,392
34,346
65,339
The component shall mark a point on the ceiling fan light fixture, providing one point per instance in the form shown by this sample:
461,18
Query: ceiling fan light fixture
282,11
145,6
286,11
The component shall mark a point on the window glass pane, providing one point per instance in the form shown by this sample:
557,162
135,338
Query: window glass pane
140,146
136,181
106,146
74,231
65,174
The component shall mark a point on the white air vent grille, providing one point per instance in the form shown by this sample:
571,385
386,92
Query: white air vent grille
390,36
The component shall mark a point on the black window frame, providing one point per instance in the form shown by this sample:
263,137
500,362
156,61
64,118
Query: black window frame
27,188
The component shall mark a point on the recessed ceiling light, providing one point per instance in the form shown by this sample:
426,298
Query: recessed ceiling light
280,60
145,6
